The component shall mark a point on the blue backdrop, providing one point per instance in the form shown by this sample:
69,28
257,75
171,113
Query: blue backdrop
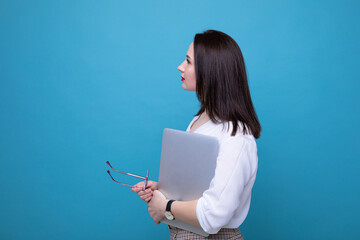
83,82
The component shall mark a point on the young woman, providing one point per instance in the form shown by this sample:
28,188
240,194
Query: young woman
215,69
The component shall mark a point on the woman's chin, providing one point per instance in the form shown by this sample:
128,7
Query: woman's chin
183,86
187,88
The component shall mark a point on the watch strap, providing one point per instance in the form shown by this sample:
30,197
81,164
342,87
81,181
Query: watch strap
168,205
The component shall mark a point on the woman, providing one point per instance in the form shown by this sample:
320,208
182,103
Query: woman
215,69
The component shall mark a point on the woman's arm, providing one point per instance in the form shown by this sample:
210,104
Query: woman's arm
185,211
182,210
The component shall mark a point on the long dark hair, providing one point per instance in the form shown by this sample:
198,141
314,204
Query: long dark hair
221,82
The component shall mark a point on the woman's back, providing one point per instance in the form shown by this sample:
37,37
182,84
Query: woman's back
226,203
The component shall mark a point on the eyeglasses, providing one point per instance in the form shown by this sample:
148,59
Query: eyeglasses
145,178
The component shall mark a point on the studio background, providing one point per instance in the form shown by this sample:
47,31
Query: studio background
85,82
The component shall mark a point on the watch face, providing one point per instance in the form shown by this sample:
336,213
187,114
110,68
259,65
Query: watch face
169,216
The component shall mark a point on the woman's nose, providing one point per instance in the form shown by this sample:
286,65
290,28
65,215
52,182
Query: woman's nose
180,67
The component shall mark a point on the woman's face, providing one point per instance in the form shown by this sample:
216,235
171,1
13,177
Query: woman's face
187,69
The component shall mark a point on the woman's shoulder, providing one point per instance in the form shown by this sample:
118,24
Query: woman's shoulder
225,129
222,130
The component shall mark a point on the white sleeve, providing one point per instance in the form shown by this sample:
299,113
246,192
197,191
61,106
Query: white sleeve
234,167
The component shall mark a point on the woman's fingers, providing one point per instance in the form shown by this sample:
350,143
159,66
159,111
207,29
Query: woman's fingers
150,185
137,187
148,199
145,196
147,191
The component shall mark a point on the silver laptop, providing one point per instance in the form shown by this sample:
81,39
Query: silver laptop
187,166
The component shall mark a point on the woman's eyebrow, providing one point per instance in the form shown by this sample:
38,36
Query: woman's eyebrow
188,56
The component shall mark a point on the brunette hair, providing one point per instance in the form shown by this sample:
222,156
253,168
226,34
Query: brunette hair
221,82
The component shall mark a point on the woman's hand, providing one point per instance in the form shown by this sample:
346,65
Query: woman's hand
146,194
157,206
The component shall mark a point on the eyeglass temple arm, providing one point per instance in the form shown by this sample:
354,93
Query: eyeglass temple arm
118,181
127,173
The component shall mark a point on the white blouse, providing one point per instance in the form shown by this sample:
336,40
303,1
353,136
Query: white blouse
226,203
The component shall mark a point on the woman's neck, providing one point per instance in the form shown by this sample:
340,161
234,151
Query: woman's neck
204,116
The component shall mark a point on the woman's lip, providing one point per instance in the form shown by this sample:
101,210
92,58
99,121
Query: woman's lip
182,79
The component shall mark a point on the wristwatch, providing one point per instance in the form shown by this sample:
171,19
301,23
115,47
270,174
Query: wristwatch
168,213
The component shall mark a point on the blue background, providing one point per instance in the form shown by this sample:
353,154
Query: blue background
83,82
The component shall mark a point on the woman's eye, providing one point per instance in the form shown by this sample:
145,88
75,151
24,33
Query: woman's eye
188,60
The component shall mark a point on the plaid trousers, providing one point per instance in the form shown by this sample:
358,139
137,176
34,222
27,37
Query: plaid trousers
224,233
